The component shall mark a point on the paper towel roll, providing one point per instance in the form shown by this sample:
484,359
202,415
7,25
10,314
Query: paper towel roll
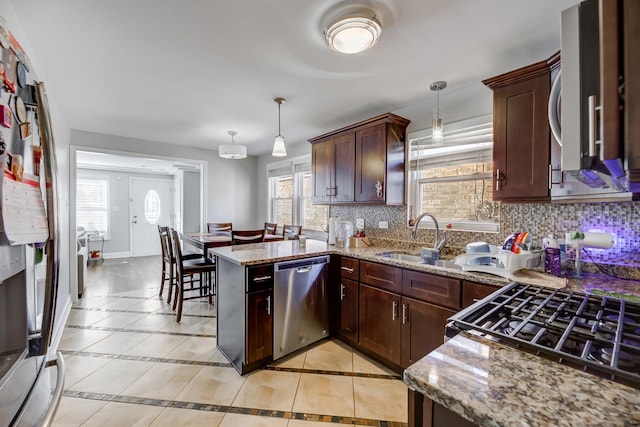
597,240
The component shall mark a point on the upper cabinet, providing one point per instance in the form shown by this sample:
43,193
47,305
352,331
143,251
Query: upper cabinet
521,134
361,163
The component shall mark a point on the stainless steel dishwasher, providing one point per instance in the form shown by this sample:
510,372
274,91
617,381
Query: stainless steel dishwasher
300,310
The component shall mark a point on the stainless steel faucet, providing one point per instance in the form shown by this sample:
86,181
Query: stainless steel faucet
438,244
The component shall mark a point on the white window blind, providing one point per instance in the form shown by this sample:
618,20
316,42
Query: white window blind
92,204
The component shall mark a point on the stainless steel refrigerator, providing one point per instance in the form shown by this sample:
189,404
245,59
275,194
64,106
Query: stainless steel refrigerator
31,378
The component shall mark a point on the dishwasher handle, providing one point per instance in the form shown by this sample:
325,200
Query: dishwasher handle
301,263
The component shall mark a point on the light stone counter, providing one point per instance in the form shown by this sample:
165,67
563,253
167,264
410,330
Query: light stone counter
491,384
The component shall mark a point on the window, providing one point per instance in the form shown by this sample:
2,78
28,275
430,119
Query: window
452,179
290,196
92,204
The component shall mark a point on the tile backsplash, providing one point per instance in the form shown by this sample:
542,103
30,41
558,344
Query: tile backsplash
621,219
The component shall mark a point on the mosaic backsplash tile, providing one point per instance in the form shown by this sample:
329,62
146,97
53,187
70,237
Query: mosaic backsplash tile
621,219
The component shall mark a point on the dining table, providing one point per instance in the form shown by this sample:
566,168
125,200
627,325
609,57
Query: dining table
206,241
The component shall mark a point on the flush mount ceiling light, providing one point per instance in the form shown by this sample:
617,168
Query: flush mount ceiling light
436,129
279,149
354,33
232,151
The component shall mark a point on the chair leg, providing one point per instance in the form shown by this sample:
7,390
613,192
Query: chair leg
180,299
172,280
164,271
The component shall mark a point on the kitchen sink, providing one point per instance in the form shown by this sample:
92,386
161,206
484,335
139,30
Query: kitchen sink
401,256
447,263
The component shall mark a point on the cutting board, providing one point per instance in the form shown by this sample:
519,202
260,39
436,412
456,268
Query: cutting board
538,278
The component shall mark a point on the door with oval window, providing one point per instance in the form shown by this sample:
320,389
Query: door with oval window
151,205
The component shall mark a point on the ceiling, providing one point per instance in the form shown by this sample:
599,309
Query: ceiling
187,72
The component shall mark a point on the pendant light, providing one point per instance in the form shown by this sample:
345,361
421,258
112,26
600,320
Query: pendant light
436,129
279,149
232,151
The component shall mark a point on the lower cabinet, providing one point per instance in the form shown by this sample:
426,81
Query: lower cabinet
259,326
379,322
348,317
473,292
424,412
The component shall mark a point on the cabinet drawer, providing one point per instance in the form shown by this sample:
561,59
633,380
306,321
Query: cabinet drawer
259,277
472,292
381,276
350,268
439,290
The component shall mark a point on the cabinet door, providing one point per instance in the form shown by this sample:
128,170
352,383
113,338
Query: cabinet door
472,292
343,164
321,170
259,326
422,329
370,164
379,322
381,276
348,310
631,42
521,147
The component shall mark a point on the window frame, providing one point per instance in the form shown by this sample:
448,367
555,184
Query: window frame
106,234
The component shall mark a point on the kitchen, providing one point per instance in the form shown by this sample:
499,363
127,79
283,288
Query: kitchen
512,217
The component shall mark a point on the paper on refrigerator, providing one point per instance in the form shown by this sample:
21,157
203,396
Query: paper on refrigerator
24,218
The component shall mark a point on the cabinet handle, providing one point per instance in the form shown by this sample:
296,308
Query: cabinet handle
341,292
550,176
404,314
593,128
261,278
350,270
269,305
497,179
327,191
378,189
394,310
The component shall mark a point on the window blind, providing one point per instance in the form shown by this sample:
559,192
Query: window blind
92,199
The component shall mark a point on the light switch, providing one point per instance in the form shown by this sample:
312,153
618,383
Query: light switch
360,223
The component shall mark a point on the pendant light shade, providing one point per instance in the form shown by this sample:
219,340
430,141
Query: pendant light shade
437,128
279,149
232,151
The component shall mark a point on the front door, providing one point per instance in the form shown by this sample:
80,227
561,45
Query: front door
151,204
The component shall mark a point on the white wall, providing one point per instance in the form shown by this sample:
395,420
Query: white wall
229,185
191,201
61,140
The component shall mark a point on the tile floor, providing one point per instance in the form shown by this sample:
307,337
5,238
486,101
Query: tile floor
128,363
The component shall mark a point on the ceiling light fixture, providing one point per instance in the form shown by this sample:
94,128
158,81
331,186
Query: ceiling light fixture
354,34
279,149
232,151
436,129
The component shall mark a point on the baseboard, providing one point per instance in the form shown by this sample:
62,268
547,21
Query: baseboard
112,255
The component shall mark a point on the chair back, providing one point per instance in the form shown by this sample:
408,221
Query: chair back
176,251
241,237
291,232
165,241
270,227
218,228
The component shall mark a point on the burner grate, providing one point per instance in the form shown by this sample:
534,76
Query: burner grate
597,334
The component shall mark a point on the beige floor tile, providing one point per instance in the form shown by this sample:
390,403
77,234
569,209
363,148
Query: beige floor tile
172,417
156,346
237,420
191,325
218,357
79,367
330,355
199,308
268,390
82,317
380,399
113,377
301,423
79,339
118,320
121,303
151,322
118,342
93,301
73,412
151,305
295,361
162,381
124,414
215,385
325,394
194,348
365,365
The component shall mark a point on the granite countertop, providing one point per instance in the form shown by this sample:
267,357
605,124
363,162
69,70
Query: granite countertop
495,385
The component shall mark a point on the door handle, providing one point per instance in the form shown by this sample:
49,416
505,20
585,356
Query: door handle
341,292
394,311
404,314
269,305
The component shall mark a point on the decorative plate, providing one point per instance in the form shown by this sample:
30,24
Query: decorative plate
21,111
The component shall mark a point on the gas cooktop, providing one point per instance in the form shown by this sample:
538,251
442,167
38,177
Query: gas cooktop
597,334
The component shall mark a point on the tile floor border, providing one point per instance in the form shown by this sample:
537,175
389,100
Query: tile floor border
338,373
113,356
139,331
158,313
228,409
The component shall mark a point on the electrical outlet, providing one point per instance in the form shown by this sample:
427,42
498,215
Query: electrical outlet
383,224
360,223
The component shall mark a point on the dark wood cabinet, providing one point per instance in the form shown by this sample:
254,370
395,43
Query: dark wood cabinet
379,322
422,329
424,412
348,326
259,326
440,290
381,275
521,134
472,292
360,163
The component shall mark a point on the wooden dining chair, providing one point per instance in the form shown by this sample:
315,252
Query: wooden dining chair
219,227
291,232
241,237
192,276
270,227
169,268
